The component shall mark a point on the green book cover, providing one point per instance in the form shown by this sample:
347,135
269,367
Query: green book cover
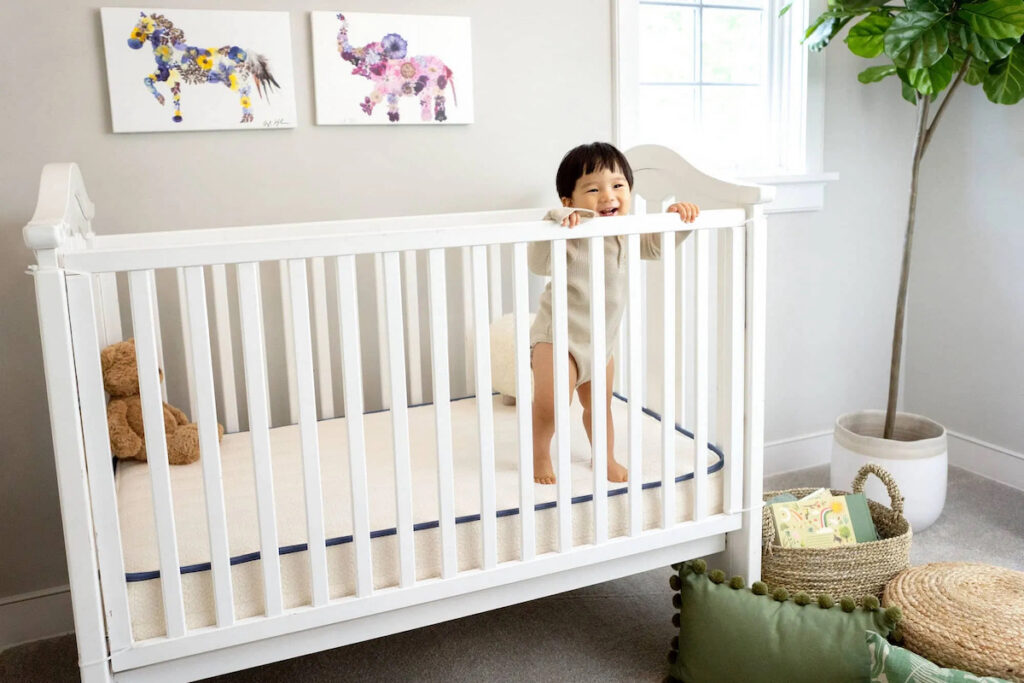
781,498
860,515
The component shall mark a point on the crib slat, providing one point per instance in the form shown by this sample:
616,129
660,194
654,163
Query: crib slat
494,260
442,410
289,343
323,343
225,353
92,404
467,318
254,357
485,409
186,335
524,402
159,341
141,285
598,390
681,334
668,372
399,417
351,359
111,309
308,430
209,448
412,313
382,332
702,267
636,343
562,393
733,494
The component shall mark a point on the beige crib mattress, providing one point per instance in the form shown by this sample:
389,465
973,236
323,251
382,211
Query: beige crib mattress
138,528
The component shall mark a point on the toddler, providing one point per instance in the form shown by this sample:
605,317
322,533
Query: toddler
592,180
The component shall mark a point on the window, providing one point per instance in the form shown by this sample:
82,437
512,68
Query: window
723,81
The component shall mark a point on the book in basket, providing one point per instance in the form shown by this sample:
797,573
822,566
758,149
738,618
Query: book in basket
817,521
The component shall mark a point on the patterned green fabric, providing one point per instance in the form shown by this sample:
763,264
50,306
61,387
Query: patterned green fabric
891,664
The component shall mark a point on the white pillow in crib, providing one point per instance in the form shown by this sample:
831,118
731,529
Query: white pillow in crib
503,355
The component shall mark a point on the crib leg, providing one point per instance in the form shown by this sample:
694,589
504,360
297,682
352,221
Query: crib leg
508,400
742,555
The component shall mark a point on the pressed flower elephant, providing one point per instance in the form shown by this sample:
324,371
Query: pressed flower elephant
178,62
395,76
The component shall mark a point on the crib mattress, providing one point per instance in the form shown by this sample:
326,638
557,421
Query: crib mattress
138,527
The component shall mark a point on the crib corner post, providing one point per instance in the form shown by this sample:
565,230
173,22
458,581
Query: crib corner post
72,484
743,546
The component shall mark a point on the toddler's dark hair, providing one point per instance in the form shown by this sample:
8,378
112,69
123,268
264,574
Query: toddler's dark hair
585,159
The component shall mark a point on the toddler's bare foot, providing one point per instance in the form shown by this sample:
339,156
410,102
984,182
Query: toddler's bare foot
617,472
542,470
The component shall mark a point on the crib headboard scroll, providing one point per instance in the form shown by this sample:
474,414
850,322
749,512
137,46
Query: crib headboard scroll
63,215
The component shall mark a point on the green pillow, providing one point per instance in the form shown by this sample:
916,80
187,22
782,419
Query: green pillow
891,664
731,633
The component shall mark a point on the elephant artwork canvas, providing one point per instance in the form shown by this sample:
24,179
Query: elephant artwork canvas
176,69
392,69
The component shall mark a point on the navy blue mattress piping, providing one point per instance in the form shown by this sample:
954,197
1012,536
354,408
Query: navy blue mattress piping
339,540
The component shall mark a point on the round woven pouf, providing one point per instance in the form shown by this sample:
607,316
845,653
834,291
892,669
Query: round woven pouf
962,615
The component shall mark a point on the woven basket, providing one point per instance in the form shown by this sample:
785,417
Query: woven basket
854,571
963,616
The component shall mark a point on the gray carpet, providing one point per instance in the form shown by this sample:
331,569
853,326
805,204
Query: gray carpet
615,631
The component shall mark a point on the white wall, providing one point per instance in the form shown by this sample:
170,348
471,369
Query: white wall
966,313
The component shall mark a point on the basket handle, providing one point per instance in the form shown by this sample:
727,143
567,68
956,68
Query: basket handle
894,490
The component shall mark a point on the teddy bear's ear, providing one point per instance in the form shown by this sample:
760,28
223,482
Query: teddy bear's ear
120,374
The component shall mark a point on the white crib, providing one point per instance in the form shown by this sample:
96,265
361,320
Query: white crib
311,563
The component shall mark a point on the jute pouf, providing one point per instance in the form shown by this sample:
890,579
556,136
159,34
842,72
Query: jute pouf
963,615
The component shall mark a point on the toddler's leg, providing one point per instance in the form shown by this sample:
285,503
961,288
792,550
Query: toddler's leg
544,409
616,472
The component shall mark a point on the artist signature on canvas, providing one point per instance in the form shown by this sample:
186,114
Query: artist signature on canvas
274,123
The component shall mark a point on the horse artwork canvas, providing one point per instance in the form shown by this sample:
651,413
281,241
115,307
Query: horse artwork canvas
198,69
392,69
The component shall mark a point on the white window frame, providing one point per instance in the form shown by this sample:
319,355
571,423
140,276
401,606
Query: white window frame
796,92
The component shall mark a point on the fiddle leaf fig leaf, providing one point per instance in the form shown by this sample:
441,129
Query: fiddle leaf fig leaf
976,72
985,49
942,6
916,40
873,74
866,38
909,94
1004,82
995,19
932,79
825,28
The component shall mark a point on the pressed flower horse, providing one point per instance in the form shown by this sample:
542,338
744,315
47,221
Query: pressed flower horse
178,62
396,76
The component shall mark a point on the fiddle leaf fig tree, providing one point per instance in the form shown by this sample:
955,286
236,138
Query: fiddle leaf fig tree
931,46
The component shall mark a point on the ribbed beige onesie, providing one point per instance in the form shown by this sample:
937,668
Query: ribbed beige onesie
578,288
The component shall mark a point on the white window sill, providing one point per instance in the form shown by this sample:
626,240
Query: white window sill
795,192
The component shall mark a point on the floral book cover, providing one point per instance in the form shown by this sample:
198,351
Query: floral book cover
817,522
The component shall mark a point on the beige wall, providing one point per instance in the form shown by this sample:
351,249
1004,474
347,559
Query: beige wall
542,79
539,89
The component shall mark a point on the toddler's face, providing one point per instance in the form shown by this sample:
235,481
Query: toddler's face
605,191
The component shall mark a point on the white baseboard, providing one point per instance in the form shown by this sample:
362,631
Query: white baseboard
966,452
986,460
34,616
797,453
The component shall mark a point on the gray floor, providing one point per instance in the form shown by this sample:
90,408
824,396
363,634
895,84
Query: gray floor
615,631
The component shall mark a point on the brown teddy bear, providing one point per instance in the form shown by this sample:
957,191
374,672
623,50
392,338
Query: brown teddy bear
124,412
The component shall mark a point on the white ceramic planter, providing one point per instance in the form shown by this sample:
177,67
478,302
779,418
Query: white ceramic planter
916,457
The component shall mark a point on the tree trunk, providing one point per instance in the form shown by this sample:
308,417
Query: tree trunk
908,241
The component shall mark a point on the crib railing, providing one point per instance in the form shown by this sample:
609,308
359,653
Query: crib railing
90,276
